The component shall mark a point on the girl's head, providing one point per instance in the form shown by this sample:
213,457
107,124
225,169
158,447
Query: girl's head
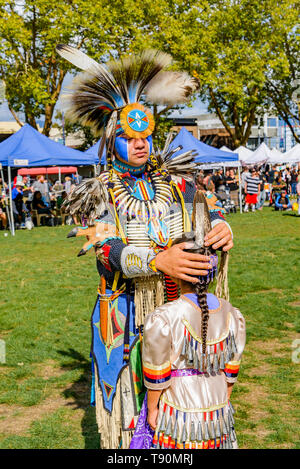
201,287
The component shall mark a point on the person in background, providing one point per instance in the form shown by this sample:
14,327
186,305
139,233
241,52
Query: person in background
294,177
278,186
42,186
19,208
218,179
262,193
282,201
68,183
231,182
298,194
39,205
252,190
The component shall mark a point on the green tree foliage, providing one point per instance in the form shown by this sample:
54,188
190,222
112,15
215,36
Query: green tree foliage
29,31
245,53
283,77
230,46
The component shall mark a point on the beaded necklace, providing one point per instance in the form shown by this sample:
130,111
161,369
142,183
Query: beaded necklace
143,201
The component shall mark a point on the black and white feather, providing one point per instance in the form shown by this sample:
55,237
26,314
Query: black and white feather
181,165
89,200
103,89
170,88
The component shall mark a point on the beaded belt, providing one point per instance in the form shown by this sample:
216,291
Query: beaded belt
185,372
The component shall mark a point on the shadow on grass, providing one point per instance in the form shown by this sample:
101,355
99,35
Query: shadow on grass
80,392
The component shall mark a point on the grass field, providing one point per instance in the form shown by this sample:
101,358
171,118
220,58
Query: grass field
47,296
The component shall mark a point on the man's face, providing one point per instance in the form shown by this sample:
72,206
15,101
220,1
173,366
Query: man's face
138,151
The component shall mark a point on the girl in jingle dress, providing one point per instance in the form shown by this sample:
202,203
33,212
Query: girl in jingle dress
192,350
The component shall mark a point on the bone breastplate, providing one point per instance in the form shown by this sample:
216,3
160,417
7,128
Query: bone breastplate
147,211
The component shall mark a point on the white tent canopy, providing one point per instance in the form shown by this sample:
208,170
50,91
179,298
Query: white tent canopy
293,155
261,155
244,152
277,157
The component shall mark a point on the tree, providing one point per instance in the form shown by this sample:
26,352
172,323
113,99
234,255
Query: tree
29,65
227,45
283,79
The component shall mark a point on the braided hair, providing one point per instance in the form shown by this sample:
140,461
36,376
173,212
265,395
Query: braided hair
201,287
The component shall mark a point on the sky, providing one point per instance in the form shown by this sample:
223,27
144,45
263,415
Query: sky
198,107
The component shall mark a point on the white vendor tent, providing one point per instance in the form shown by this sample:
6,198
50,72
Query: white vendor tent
293,155
260,156
243,152
277,157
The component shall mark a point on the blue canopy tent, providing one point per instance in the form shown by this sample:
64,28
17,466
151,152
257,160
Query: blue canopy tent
93,151
28,147
207,156
205,153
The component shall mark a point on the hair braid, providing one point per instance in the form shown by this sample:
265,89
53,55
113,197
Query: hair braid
200,290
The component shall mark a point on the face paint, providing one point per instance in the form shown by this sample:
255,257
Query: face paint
149,140
121,146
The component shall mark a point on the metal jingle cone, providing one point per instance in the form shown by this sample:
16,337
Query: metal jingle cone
193,433
218,428
208,364
222,361
175,431
233,346
199,432
184,434
190,358
201,366
162,425
184,347
216,363
206,431
169,427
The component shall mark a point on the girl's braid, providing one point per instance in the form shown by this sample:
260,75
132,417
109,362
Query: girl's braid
200,290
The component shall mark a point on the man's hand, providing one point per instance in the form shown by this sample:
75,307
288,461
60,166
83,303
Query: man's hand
178,263
219,236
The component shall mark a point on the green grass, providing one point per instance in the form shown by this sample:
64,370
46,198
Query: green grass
46,298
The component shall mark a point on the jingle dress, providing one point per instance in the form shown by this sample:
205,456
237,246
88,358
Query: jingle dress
194,411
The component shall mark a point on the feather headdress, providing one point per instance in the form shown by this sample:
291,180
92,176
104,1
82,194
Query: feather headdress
107,97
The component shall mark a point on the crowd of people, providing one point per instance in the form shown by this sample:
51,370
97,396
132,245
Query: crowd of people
268,185
35,197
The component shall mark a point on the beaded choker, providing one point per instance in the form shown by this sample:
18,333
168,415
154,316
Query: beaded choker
122,167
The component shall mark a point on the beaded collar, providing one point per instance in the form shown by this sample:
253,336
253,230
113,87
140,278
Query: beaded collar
146,208
122,167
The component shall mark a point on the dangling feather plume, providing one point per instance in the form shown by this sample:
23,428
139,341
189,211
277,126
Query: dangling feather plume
182,165
88,200
200,218
170,88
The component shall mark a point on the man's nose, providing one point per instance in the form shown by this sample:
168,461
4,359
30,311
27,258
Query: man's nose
139,143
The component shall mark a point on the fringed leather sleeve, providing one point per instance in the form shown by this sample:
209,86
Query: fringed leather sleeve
238,334
156,352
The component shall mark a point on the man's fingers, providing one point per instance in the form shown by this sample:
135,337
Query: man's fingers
215,238
228,246
189,279
216,229
196,265
222,242
197,272
196,257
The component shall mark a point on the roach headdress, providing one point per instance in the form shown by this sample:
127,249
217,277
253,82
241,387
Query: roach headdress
107,97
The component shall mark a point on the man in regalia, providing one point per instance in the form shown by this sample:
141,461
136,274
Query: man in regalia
132,212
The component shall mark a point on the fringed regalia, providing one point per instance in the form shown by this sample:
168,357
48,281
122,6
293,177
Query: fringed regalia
194,411
130,214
